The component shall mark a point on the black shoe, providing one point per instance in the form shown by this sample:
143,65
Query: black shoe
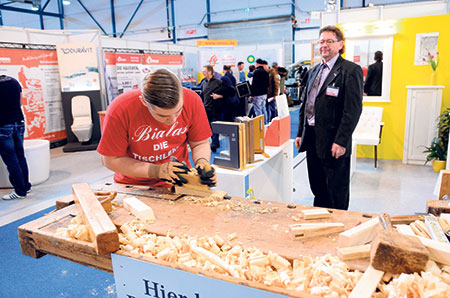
213,148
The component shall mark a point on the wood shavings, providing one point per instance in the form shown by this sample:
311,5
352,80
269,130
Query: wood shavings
75,230
326,276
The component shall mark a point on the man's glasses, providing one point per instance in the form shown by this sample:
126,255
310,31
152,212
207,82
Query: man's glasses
328,42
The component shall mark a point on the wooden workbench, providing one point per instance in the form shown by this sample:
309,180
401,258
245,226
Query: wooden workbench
263,225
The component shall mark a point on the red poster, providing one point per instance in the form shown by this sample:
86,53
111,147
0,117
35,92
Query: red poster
37,73
159,59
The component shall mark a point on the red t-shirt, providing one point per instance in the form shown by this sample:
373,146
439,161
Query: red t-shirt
130,130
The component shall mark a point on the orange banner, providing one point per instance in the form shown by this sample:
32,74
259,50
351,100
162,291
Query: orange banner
216,43
159,59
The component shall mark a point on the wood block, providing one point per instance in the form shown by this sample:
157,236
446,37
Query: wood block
437,207
315,213
139,209
360,234
192,190
194,181
445,184
354,252
398,253
307,230
101,229
367,284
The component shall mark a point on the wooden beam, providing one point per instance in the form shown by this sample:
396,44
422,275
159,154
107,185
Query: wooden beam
101,229
360,234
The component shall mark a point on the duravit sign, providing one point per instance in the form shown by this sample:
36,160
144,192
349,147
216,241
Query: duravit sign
78,50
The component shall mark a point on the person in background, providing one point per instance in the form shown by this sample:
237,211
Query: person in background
213,93
12,129
146,132
273,91
258,89
374,78
230,100
241,71
251,70
328,117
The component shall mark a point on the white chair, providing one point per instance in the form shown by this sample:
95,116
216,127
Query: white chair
369,129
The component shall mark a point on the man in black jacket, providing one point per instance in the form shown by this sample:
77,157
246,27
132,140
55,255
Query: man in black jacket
328,117
374,78
259,87
213,93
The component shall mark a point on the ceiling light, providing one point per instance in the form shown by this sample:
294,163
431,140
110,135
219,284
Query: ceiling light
66,2
35,7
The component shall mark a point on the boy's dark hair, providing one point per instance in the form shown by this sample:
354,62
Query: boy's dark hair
162,88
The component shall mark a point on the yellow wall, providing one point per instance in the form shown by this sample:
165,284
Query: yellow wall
404,73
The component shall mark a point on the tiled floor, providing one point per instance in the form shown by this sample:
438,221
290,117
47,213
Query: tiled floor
393,187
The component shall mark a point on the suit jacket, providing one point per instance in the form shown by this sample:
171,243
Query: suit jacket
335,117
374,78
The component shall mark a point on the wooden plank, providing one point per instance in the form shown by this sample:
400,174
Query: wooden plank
306,230
360,234
367,284
101,229
354,252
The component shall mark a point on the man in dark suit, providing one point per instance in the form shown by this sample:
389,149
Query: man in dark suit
329,114
374,78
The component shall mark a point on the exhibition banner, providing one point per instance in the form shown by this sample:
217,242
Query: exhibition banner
37,73
152,62
78,66
111,76
128,69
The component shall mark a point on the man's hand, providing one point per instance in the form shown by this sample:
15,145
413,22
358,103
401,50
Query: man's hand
298,141
216,96
169,171
337,150
206,172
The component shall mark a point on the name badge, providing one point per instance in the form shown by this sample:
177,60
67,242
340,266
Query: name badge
332,91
